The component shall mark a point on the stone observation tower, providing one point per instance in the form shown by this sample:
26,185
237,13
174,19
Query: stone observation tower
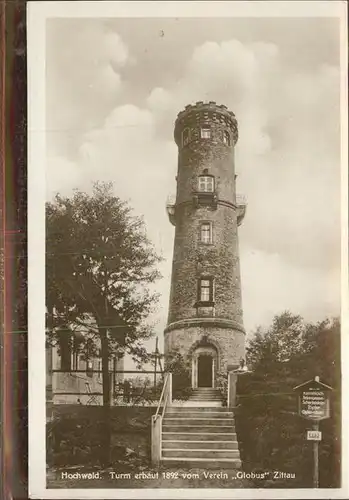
205,312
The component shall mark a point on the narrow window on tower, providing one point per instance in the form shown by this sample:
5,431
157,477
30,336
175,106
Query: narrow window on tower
226,137
206,183
206,232
205,290
185,137
205,133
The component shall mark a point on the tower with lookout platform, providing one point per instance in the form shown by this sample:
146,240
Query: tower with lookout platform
205,320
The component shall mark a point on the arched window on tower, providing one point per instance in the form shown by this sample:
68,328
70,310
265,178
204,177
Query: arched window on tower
226,137
206,184
185,136
206,232
205,290
205,133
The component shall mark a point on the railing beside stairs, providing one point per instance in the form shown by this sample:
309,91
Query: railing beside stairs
231,396
156,420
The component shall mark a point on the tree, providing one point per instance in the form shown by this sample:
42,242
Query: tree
279,343
290,351
100,268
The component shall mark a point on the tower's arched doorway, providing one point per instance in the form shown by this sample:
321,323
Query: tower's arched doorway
204,366
205,376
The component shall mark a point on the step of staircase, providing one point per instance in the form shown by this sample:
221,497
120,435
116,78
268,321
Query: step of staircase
199,436
201,397
196,413
202,436
195,404
201,428
200,453
187,409
199,445
204,400
197,421
202,463
204,390
205,394
211,392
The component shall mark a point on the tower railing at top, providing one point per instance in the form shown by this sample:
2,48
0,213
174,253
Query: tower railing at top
171,200
241,199
156,420
171,208
241,203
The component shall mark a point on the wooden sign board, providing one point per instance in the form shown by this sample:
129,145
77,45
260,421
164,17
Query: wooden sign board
314,400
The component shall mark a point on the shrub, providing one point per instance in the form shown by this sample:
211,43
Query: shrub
222,386
181,375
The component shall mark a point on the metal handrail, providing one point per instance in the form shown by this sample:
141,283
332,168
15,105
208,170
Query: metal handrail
162,396
165,403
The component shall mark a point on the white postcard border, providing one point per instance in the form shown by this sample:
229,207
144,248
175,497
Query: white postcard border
38,13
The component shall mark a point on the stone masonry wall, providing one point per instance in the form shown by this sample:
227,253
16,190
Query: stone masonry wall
192,259
210,157
230,343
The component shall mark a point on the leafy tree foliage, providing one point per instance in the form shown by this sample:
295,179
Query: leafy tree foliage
289,352
279,343
100,269
99,265
221,383
181,378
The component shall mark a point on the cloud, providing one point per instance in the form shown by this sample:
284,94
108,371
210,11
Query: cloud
287,156
85,76
159,100
107,81
272,285
64,176
227,63
126,151
113,49
130,115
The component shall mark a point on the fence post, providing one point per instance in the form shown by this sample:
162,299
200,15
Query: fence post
156,424
232,378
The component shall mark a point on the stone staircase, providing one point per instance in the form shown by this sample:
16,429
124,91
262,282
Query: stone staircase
200,435
206,394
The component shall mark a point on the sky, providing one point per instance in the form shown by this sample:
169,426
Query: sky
113,90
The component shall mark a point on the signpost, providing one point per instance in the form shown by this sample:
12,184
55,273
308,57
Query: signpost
314,435
314,405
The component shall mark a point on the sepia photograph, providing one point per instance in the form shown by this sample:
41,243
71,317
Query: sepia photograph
185,233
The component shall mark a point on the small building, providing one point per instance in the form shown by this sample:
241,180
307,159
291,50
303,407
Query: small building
72,379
